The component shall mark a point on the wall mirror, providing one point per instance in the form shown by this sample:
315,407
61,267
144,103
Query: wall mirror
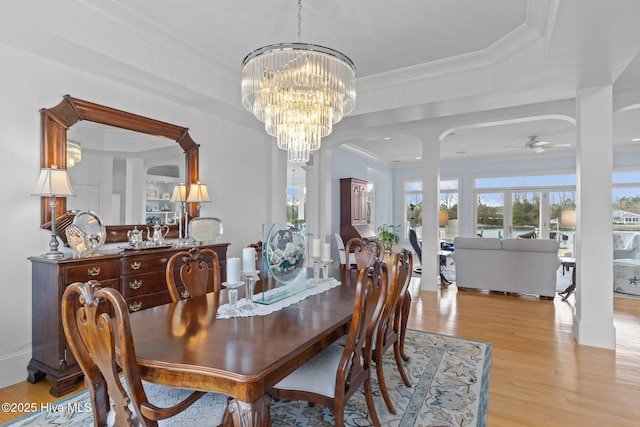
136,156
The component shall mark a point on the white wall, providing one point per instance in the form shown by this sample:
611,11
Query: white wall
234,162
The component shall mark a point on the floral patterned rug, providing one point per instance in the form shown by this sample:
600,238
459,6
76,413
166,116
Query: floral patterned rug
450,387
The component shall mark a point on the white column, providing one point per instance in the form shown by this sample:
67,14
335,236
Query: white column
430,211
593,321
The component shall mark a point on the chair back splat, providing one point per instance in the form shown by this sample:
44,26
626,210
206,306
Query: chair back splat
334,374
92,339
393,321
365,251
192,273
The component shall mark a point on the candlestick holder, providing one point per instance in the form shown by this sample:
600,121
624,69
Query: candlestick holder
324,264
232,293
316,267
250,278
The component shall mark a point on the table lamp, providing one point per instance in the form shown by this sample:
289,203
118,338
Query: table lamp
443,218
568,219
198,193
53,182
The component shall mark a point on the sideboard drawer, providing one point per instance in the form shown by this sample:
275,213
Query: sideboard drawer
147,301
144,264
141,284
99,270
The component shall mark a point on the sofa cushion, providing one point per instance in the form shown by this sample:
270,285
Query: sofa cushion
477,243
530,245
626,276
622,240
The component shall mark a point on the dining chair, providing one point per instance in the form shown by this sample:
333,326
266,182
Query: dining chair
391,328
343,254
337,372
413,239
93,337
364,251
197,270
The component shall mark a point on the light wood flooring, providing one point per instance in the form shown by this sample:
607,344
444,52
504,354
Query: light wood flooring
539,375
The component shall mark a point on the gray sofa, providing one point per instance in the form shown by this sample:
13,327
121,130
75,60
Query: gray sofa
526,266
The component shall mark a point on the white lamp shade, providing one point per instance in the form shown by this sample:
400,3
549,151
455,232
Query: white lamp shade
179,193
568,218
198,193
53,182
443,218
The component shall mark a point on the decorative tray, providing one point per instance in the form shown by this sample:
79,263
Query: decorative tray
141,248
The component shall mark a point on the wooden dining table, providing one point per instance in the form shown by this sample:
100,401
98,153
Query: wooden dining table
182,344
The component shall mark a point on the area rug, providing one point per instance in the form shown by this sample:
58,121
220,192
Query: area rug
450,387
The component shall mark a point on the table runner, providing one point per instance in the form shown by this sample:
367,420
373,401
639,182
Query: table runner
317,286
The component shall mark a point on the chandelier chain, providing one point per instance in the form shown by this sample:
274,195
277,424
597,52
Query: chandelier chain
299,20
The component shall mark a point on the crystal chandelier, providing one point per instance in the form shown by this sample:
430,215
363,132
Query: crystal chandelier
74,153
299,91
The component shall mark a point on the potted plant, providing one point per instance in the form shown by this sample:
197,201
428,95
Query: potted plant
388,235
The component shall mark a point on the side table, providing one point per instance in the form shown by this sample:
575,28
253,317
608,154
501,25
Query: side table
569,263
443,262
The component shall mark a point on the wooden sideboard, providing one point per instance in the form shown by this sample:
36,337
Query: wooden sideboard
138,275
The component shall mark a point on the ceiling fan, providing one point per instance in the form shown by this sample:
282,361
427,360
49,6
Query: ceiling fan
533,143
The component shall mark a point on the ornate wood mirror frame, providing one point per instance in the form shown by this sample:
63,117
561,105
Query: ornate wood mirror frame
55,122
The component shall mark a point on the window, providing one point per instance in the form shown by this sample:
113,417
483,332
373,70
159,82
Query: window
449,194
371,203
527,206
626,201
412,205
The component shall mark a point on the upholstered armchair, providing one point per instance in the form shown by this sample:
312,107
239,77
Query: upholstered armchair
625,245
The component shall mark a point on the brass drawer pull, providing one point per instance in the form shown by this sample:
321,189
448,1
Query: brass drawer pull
93,271
163,260
185,294
136,284
135,306
135,265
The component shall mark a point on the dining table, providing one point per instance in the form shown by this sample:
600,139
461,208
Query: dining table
183,344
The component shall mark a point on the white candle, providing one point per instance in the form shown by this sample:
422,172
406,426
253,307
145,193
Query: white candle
315,248
248,259
233,270
326,252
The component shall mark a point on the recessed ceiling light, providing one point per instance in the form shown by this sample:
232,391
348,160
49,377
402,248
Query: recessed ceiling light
387,138
635,140
418,158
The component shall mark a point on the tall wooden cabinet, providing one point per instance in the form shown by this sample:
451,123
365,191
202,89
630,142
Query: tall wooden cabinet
353,209
138,275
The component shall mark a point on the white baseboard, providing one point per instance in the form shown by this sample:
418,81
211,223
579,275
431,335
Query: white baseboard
13,367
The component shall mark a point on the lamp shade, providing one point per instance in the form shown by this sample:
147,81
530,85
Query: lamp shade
53,182
568,218
198,193
179,193
444,218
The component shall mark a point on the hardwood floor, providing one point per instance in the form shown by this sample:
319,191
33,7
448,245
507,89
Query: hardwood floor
539,375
